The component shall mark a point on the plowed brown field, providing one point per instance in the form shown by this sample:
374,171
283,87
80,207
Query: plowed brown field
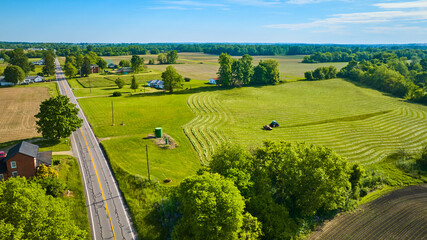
17,109
401,214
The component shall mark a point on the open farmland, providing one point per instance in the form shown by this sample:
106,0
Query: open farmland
401,214
205,66
19,105
360,124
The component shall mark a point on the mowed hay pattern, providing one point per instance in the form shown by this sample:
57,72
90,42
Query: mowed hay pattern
204,130
402,214
364,128
18,107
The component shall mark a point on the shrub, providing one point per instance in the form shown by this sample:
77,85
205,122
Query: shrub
187,79
119,82
117,94
422,161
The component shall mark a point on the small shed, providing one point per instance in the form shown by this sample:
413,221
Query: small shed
213,80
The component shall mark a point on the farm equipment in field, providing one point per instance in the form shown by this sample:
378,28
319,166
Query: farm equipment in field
274,124
266,127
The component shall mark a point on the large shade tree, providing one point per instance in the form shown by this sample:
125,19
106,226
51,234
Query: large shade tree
14,74
57,118
172,79
212,208
28,213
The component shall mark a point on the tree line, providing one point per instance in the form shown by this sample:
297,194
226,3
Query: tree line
104,49
238,72
321,73
392,75
273,192
367,54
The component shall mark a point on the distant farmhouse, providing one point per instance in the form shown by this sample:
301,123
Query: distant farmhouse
39,62
112,65
94,68
156,84
27,80
23,160
125,70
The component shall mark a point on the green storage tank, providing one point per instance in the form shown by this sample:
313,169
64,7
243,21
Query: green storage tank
158,132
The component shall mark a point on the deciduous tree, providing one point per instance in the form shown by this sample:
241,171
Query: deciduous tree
102,64
49,63
161,58
28,213
225,72
124,63
85,70
172,56
137,63
70,70
171,79
57,118
212,208
14,74
307,178
18,58
133,84
120,82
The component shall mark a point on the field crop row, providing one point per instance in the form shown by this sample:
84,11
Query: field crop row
204,131
399,215
363,125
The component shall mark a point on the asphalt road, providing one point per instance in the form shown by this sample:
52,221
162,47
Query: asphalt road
108,216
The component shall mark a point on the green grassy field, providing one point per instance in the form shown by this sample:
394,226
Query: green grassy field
69,172
360,124
141,114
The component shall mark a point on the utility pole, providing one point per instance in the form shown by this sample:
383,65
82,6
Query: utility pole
148,164
112,114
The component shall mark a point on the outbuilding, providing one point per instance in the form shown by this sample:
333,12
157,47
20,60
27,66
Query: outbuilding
213,80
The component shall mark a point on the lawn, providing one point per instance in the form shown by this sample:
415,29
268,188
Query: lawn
69,172
140,115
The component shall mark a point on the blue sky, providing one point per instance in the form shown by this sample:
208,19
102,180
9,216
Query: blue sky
252,21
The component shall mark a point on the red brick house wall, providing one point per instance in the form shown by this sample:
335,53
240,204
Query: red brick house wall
25,165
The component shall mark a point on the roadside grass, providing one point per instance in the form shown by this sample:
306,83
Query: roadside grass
140,115
69,172
143,199
53,145
44,145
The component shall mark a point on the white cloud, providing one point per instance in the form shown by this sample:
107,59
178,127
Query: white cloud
401,5
306,1
193,3
256,2
357,18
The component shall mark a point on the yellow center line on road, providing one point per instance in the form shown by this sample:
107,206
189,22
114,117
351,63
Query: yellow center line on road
96,172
